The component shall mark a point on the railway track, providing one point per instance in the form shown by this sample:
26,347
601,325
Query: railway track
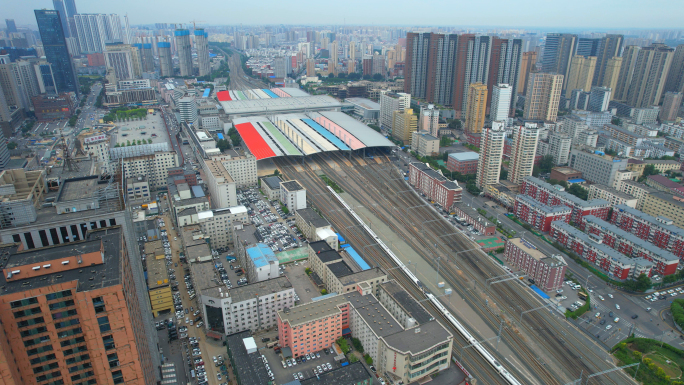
343,222
559,347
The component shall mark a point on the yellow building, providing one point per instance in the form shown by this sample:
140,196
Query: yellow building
610,77
477,105
581,74
666,204
404,124
159,287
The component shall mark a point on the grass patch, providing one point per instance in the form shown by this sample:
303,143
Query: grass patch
670,367
655,368
332,184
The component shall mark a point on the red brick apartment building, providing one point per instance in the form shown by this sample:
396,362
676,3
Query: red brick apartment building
547,272
70,315
660,231
539,215
463,162
551,195
434,185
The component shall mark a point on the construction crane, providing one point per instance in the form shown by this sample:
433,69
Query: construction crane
196,21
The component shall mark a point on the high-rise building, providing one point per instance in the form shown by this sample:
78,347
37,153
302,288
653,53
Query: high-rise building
165,60
543,96
629,56
610,47
559,147
650,73
96,30
504,67
332,59
202,48
187,108
283,66
125,60
352,50
501,102
65,325
184,50
476,108
390,102
310,68
146,57
429,120
581,74
378,65
56,51
671,104
527,66
558,52
11,25
587,46
523,151
9,86
63,17
612,74
472,66
404,124
675,78
491,153
128,36
599,98
429,66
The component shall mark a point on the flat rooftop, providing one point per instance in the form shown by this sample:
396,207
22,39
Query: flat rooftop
152,128
250,367
310,216
469,211
273,182
566,170
292,185
340,269
351,374
157,274
153,248
73,189
329,256
247,234
96,276
320,246
252,290
364,103
414,309
376,316
361,276
308,312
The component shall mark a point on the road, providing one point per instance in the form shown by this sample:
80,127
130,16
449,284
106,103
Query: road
238,79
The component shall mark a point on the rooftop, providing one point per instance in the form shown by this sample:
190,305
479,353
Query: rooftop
418,339
613,191
668,197
77,188
329,255
361,276
319,246
312,217
262,288
471,212
308,312
376,316
566,170
261,255
665,181
273,182
364,103
464,156
651,219
533,252
346,375
250,367
292,185
105,245
545,208
157,274
567,196
340,269
246,235
279,105
153,248
414,309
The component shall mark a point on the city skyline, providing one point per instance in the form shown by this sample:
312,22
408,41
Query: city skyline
499,14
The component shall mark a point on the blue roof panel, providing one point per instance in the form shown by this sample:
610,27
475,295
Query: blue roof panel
357,258
270,93
206,93
261,255
326,134
538,291
197,191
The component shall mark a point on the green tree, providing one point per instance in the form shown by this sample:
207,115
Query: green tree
324,292
546,163
642,283
128,143
357,344
377,77
455,124
616,121
535,171
149,141
504,174
578,191
222,145
649,170
445,141
11,145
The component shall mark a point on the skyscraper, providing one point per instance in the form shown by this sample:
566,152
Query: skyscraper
476,108
629,57
332,60
184,50
352,50
527,66
390,102
612,74
441,65
581,74
501,102
96,30
587,46
56,51
202,48
558,52
610,47
675,78
543,96
650,72
671,105
524,149
378,65
128,37
63,17
310,68
11,26
165,60
125,60
472,66
599,99
491,153
504,67
416,66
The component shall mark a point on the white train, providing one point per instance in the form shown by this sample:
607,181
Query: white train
505,374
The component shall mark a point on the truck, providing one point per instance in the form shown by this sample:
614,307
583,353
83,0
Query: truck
230,258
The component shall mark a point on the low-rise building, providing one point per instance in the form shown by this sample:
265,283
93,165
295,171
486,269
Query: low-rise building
635,189
663,183
553,195
309,222
591,249
548,272
53,107
597,168
271,187
424,144
565,174
365,109
261,263
138,188
158,284
241,165
664,262
195,244
613,196
538,215
293,195
470,215
152,166
434,185
246,362
218,224
463,162
660,230
352,374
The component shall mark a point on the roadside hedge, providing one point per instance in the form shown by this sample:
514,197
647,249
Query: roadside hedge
677,309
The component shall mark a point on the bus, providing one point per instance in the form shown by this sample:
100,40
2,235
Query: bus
582,295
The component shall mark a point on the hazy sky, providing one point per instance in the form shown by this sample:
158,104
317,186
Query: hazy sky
553,14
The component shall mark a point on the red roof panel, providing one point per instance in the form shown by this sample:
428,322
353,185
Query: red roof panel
256,144
223,96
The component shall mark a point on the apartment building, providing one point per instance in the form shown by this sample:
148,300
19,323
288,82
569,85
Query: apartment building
66,326
555,195
665,205
434,185
660,231
613,196
293,195
404,124
591,249
248,307
663,183
217,224
543,96
635,189
523,152
463,162
548,272
476,108
491,153
424,144
559,147
220,183
595,167
314,227
390,102
664,262
270,186
538,215
241,166
138,188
